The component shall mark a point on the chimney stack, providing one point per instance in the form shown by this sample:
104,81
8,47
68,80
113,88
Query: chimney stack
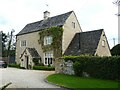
46,14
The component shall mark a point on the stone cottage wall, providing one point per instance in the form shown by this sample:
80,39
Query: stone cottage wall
64,67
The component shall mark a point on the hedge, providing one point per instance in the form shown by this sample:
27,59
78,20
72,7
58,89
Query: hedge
14,65
97,67
43,68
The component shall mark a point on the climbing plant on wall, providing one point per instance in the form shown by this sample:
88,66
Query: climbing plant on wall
56,46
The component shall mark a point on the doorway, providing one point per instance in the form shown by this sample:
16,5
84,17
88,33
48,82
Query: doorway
27,61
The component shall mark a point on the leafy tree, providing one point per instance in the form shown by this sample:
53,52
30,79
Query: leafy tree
4,40
115,51
3,45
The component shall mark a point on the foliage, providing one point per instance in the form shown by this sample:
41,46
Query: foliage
78,68
10,42
81,82
40,64
56,46
12,53
4,40
43,68
36,61
97,67
115,51
14,65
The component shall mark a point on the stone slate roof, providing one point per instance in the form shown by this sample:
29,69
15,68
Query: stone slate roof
58,20
84,43
33,52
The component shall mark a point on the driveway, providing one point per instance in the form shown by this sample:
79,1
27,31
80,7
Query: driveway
25,78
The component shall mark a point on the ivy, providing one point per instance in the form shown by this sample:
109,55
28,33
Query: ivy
56,46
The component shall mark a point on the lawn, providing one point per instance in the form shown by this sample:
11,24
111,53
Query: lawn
81,82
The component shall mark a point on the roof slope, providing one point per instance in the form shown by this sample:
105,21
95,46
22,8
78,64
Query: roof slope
58,20
84,43
33,52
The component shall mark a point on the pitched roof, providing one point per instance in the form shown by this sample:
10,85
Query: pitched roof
84,43
58,20
33,52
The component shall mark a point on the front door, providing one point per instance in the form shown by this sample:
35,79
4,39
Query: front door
27,61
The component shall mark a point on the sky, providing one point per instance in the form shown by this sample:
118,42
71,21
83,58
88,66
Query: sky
91,14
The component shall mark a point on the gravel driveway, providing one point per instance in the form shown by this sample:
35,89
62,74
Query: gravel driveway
25,78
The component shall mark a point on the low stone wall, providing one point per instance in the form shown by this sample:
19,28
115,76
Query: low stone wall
64,67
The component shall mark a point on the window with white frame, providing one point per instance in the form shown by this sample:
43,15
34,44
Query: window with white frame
73,24
23,43
48,58
103,43
47,40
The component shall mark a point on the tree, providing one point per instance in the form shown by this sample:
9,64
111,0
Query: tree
10,38
115,51
3,40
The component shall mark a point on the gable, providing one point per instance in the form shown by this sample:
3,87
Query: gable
30,51
58,20
103,48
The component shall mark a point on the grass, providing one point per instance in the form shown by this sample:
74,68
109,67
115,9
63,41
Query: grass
81,82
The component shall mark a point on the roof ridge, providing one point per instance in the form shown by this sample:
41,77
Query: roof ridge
57,20
51,17
92,31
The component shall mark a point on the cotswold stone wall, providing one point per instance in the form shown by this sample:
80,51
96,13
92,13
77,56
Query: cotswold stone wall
64,67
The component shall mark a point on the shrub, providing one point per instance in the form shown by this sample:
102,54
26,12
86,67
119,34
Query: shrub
40,64
115,51
36,61
14,65
43,68
97,67
78,68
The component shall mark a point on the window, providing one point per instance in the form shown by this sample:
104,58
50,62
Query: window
73,24
47,40
23,43
48,58
103,43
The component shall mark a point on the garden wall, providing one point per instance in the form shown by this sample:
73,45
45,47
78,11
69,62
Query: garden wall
92,66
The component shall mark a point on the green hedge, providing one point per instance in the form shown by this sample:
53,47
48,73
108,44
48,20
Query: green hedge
97,67
14,65
43,68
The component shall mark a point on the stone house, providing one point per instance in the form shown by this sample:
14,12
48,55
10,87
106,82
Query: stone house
73,42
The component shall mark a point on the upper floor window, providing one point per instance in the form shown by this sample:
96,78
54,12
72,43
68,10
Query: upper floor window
47,40
103,43
23,43
73,24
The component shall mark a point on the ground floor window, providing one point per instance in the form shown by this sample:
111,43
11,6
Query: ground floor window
48,58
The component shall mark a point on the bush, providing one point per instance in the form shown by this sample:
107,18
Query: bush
43,68
14,65
78,68
115,51
96,67
40,64
36,61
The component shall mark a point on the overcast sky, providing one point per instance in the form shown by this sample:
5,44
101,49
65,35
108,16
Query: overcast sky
91,14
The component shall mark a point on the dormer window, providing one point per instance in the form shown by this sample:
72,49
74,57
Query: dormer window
47,40
103,43
73,24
